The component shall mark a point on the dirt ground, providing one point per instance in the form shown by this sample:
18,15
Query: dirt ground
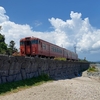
80,88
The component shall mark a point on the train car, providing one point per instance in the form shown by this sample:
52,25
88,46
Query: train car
31,46
38,47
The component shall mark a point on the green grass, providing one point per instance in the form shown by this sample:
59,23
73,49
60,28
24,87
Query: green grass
92,69
14,87
60,58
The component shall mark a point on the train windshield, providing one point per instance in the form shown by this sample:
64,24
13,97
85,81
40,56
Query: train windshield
22,43
34,42
28,43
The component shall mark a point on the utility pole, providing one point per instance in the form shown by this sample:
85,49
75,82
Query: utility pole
0,28
75,48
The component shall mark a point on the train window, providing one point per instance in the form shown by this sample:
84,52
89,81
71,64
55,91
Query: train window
39,41
47,47
60,51
28,42
34,41
65,53
43,46
22,43
57,50
52,49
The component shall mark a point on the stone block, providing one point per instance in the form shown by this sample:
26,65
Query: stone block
20,59
15,66
28,76
44,66
46,72
3,79
34,66
59,65
32,75
39,71
64,65
18,77
52,66
36,74
23,73
26,63
10,78
0,80
52,72
4,67
14,77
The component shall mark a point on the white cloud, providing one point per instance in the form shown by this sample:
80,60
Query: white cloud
37,23
78,32
3,17
73,31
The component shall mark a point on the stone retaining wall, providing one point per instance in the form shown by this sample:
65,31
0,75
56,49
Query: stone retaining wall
19,68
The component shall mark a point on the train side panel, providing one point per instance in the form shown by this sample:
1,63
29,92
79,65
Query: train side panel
69,55
73,56
56,51
65,53
76,57
43,48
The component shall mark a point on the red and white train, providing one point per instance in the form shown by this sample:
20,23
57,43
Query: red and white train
32,46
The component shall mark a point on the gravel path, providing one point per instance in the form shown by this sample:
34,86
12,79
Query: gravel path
80,88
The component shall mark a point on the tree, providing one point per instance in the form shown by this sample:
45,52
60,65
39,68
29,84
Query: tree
3,45
2,38
12,47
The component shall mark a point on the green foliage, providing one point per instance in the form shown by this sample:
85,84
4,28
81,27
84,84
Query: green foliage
83,60
2,38
92,69
3,45
20,85
12,47
60,58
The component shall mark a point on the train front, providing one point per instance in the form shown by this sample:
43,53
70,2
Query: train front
25,46
29,46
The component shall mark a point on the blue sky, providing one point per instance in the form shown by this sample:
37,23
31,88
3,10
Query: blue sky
62,22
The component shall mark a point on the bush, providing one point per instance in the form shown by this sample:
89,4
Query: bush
92,69
60,58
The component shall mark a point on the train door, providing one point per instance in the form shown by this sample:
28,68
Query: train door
40,47
28,47
34,47
22,48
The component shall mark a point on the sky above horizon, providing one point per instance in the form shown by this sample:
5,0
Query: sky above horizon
66,23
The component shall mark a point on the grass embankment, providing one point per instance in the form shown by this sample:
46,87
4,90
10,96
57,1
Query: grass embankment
92,69
14,87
